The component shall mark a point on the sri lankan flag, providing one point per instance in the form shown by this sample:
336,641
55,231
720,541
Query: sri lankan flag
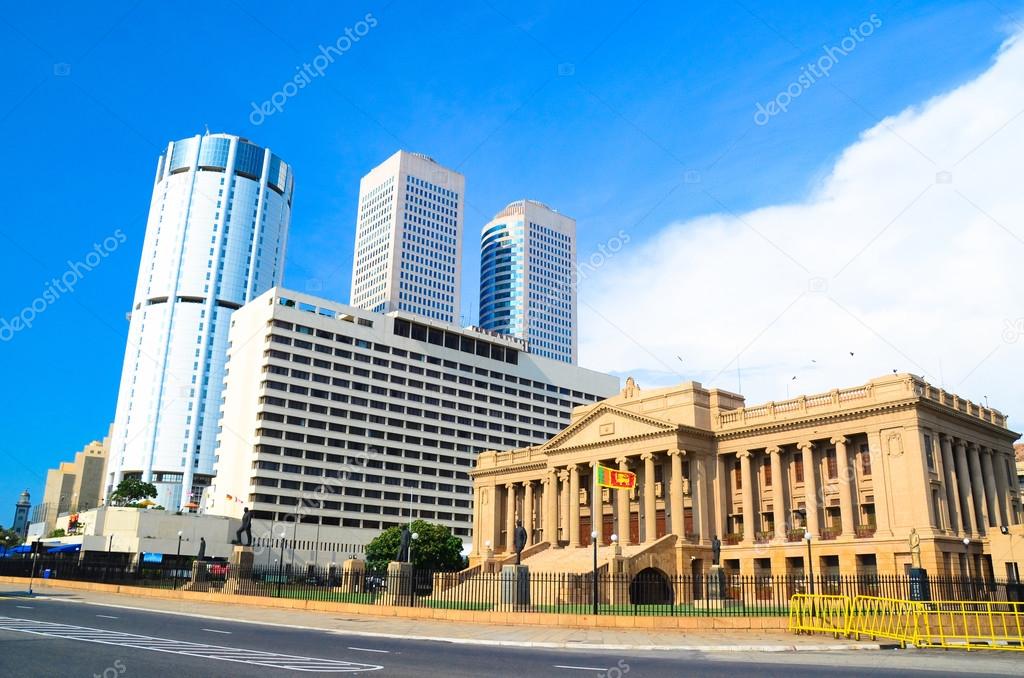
620,480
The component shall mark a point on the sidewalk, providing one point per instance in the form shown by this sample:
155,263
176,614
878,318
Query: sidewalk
458,632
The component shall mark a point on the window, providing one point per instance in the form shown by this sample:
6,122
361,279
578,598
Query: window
830,460
929,457
798,469
865,460
738,474
768,475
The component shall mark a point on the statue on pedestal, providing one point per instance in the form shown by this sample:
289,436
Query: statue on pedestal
520,541
716,550
202,549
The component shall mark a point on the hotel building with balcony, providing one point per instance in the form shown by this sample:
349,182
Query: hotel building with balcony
346,421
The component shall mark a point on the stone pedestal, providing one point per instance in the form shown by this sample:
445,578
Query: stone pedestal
714,598
920,589
239,568
399,585
352,575
515,587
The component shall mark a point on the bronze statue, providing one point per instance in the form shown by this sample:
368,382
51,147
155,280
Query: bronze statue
520,541
716,550
202,549
245,528
403,545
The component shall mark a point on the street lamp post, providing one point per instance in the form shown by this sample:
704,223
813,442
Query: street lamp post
810,562
177,559
593,540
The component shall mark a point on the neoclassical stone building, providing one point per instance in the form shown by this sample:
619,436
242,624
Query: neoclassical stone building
858,468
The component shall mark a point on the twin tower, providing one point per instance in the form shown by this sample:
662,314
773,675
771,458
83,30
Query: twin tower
216,238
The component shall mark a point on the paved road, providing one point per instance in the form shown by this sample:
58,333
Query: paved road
45,636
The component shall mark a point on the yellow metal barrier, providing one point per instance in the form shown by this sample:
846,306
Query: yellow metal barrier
819,613
976,625
891,618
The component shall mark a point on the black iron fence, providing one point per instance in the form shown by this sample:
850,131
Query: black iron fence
648,593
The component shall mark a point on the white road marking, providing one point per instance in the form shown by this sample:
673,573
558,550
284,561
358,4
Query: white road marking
24,607
367,649
217,631
181,647
582,668
107,616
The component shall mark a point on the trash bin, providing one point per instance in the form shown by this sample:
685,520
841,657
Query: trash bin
46,573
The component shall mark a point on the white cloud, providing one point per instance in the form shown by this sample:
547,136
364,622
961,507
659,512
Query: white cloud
918,274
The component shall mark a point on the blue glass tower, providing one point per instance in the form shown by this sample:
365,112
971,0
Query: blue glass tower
527,278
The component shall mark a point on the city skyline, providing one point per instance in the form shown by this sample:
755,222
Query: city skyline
614,171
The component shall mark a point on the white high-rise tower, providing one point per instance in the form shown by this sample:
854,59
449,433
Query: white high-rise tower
528,278
409,238
215,239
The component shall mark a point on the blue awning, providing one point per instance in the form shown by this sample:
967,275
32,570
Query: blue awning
24,548
66,548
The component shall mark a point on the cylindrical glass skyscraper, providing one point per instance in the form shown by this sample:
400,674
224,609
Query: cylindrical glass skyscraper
215,239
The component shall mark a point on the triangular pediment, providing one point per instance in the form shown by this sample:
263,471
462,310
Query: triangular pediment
607,423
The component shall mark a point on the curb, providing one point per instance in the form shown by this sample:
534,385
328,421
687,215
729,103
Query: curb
526,644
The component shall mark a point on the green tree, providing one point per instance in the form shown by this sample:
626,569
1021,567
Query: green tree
435,548
56,534
9,538
132,490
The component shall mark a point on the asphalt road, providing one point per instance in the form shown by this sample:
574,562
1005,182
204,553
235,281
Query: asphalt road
51,638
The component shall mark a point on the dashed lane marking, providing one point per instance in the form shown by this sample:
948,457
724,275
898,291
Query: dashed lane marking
107,616
368,649
581,668
218,631
181,647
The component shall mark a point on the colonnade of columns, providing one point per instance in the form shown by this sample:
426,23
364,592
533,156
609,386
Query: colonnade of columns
979,484
551,506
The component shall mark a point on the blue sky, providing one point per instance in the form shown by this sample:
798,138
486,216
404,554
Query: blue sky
598,109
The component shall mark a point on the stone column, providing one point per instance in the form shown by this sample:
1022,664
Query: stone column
622,507
977,487
528,511
565,522
699,498
650,506
964,483
778,493
510,517
947,481
596,505
748,497
551,507
724,494
1002,487
574,506
676,493
810,488
988,473
847,510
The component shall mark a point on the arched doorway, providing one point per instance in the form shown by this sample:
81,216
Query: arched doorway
650,586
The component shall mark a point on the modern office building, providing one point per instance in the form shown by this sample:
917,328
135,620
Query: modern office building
857,469
409,238
215,239
354,421
527,278
76,485
21,509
